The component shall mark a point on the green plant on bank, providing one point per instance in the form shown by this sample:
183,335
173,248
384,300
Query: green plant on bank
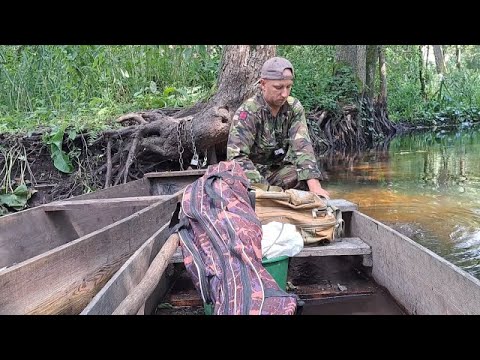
150,97
83,178
72,161
61,160
14,193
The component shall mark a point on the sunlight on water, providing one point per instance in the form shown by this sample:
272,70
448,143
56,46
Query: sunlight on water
427,186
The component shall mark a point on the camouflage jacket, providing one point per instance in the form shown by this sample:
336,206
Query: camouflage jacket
258,138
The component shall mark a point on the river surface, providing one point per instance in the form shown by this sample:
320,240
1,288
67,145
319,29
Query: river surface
425,185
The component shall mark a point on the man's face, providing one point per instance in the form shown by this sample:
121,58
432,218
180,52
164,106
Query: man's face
275,92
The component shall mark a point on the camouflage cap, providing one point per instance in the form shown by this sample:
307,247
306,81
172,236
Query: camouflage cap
273,69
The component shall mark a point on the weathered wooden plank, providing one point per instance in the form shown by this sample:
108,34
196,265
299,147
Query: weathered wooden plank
31,232
174,174
127,277
28,233
329,290
420,280
64,280
85,221
343,205
340,247
139,187
137,297
99,204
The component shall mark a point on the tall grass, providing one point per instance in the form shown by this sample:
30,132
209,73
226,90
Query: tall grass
88,85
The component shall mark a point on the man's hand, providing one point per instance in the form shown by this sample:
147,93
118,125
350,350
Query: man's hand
315,187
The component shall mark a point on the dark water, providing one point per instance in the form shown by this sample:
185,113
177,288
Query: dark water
427,186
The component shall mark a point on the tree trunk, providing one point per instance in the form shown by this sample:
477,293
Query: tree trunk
240,70
427,56
362,65
355,57
457,56
371,62
190,133
439,59
440,64
420,73
346,54
383,74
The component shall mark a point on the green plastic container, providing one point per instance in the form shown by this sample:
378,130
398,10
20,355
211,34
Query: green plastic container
208,309
277,267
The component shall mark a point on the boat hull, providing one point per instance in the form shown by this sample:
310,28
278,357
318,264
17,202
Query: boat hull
86,255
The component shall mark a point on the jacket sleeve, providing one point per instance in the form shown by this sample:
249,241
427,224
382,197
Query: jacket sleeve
301,144
240,141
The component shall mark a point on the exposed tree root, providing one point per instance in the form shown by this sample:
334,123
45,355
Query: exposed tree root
351,129
160,138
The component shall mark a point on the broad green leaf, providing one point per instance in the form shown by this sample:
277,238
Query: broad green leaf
18,199
61,160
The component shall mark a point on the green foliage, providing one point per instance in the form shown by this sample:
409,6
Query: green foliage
60,159
149,97
344,85
88,86
470,56
454,98
314,74
16,199
403,84
14,193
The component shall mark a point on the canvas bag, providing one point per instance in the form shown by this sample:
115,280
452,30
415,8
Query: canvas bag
318,221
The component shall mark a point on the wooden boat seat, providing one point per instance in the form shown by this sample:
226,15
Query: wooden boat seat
342,246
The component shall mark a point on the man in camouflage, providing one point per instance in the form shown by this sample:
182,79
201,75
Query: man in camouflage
269,134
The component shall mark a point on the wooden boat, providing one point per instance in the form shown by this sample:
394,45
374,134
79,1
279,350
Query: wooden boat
111,252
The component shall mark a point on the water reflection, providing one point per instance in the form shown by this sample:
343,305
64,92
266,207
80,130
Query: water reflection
425,185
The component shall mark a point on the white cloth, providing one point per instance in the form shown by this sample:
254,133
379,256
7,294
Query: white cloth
280,240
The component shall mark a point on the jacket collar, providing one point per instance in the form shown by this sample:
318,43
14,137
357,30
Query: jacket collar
259,98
